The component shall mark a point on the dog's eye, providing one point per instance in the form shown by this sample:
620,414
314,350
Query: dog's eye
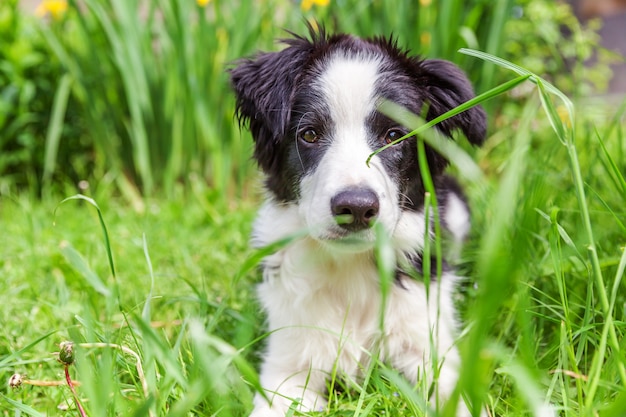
309,136
392,135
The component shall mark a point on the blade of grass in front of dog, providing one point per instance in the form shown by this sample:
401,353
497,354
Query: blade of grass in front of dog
565,132
431,197
255,259
426,250
522,72
420,127
386,264
447,148
494,264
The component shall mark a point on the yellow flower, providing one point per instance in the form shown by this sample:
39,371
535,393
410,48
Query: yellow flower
564,115
56,8
203,3
307,4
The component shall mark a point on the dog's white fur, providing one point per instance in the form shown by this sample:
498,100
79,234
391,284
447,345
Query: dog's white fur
322,293
323,309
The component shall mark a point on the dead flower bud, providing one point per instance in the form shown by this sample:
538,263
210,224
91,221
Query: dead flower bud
66,353
16,381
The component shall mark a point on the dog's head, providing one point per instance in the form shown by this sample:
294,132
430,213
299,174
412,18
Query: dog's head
312,109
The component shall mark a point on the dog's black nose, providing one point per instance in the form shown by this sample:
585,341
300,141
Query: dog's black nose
355,209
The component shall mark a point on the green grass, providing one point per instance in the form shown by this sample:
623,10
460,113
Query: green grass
171,298
170,285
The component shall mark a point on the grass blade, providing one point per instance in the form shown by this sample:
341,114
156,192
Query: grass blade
397,113
107,241
447,148
565,132
80,265
55,127
17,353
23,407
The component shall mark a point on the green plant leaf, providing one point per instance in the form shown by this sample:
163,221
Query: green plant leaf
23,407
80,265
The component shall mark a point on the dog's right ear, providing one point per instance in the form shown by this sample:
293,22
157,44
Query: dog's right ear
264,86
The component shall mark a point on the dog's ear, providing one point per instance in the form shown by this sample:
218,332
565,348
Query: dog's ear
264,86
447,87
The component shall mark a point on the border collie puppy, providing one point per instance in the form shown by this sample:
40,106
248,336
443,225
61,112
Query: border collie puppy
313,112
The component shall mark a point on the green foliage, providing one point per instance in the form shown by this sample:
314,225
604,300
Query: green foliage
150,78
28,84
151,82
136,93
546,38
173,321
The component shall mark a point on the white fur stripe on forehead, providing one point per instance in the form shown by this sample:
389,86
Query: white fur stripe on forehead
348,85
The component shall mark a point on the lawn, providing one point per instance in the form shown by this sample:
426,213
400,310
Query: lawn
175,264
151,278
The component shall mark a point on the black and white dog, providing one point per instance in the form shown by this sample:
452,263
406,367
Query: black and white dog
313,112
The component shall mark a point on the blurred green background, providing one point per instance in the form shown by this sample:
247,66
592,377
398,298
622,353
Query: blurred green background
134,94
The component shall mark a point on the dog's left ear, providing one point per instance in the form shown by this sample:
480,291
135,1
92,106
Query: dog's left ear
447,87
264,87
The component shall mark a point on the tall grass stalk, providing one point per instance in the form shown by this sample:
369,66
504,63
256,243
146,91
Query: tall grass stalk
492,279
564,128
151,78
496,271
497,277
53,136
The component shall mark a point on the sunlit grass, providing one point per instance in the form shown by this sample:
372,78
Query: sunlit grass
171,280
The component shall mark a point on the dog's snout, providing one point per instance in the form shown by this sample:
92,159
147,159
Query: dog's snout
355,209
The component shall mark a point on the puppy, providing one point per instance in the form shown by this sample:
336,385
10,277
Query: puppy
313,112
